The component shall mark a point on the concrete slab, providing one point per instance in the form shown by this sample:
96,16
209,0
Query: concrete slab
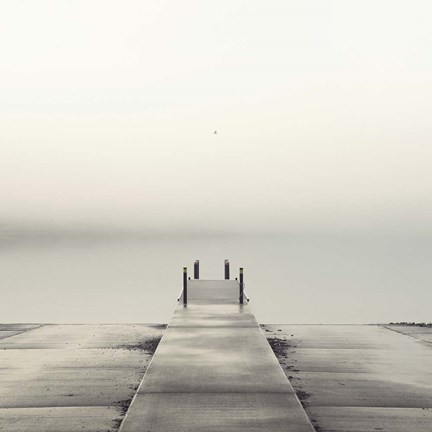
343,372
18,326
96,368
8,330
217,412
422,333
66,419
83,336
223,359
213,315
361,419
5,334
215,371
213,291
365,390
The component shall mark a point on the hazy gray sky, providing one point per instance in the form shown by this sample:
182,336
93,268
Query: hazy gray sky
323,111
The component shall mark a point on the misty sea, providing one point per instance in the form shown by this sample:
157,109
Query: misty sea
303,278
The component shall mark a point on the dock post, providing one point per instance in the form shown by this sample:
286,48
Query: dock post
227,269
196,269
241,285
185,286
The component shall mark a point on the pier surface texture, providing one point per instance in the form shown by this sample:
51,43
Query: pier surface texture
69,378
214,371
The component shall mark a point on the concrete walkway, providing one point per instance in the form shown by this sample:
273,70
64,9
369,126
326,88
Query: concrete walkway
214,371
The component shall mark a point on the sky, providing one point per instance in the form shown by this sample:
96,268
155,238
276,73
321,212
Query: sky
322,111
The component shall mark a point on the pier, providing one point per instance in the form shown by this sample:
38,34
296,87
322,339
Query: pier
214,370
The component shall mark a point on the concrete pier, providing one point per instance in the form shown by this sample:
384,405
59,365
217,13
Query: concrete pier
214,371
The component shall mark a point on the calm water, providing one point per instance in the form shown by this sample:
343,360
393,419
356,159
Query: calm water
290,278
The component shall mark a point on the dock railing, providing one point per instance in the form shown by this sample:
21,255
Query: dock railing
184,294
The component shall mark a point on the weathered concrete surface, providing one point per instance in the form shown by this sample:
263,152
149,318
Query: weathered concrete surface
422,333
214,371
7,330
359,378
60,419
71,377
216,412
